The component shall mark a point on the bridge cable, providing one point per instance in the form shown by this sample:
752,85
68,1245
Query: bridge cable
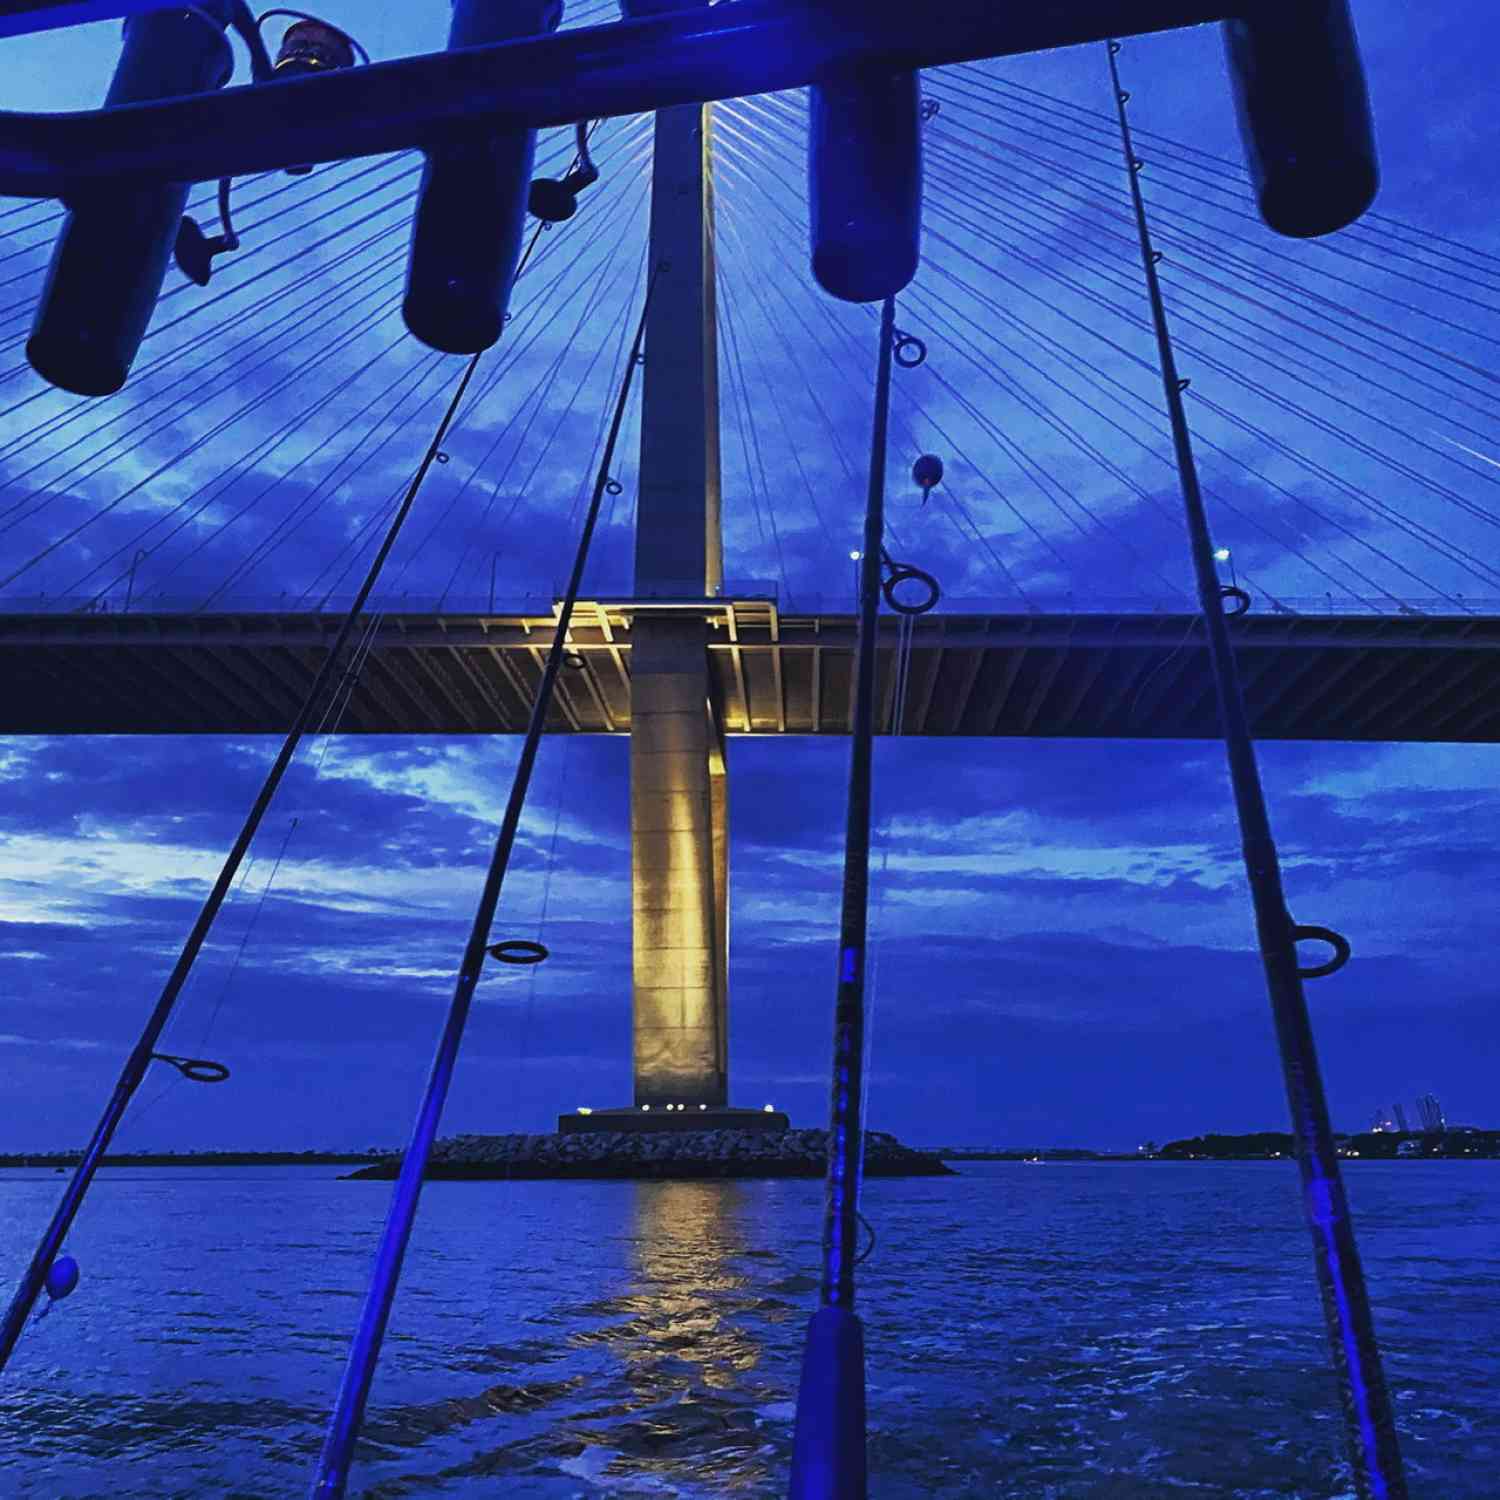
1054,130
1047,484
531,314
1094,332
1374,226
1241,341
366,449
1196,247
1369,1418
984,367
144,1053
332,1475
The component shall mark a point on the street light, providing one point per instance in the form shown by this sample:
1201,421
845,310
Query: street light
855,557
1221,554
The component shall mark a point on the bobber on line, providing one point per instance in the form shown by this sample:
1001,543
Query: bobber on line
927,474
471,206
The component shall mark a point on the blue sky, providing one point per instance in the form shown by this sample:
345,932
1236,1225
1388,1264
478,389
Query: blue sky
1065,937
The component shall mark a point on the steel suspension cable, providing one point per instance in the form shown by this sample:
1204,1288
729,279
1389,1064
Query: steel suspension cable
198,391
312,504
600,288
411,373
1195,245
73,412
1373,226
1092,331
221,425
778,287
529,321
1337,248
144,1052
1369,1419
1351,314
773,390
235,287
622,207
984,367
1047,484
332,1474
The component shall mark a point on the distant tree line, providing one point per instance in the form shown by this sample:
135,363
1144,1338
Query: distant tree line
1456,1140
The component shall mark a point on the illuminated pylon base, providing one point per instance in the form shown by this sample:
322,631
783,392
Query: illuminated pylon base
632,1121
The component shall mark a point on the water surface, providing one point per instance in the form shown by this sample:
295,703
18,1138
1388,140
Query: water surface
1057,1332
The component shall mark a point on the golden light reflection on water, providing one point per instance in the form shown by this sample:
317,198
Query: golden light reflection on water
689,1332
685,1236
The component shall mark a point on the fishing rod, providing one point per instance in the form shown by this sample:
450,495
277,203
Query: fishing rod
144,1053
1370,1421
332,1475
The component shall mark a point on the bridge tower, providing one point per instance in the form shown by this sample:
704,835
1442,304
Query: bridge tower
678,802
678,773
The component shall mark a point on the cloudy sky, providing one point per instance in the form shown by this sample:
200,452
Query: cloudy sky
1065,938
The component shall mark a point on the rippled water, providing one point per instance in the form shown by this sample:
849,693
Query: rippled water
1053,1332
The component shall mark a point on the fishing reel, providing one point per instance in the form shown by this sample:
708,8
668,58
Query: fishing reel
309,45
553,201
194,251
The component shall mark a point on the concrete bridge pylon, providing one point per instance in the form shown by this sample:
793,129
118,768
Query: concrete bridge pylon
678,783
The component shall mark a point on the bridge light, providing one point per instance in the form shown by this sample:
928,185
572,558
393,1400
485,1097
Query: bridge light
770,1109
583,1109
1221,554
855,556
111,255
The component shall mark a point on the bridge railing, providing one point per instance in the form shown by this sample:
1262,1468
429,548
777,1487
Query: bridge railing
788,603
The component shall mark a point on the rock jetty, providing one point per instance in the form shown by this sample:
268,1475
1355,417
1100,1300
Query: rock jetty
679,1154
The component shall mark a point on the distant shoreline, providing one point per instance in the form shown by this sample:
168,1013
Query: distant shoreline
62,1160
199,1158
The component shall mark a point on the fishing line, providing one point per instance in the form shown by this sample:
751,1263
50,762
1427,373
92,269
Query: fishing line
144,1052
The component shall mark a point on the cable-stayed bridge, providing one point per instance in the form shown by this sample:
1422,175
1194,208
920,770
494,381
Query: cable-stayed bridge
1127,674
1342,417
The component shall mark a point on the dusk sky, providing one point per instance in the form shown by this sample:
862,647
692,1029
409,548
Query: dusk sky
1065,940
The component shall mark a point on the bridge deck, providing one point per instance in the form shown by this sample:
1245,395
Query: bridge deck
1128,676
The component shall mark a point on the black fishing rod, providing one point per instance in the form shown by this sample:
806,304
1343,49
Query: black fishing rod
197,1069
1378,1473
332,1476
828,1450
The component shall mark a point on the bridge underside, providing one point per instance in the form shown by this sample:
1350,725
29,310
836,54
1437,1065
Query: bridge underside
1134,676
